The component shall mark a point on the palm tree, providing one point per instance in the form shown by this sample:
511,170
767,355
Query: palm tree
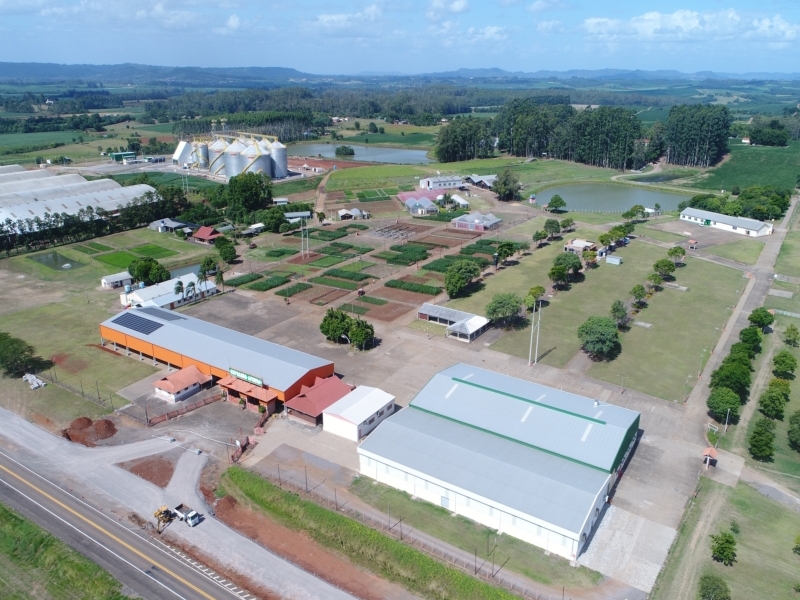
202,275
219,279
179,290
190,290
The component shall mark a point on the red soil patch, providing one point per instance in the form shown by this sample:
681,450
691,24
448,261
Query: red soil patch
387,312
104,349
83,431
43,422
461,233
303,551
155,469
401,295
322,297
300,260
69,363
437,240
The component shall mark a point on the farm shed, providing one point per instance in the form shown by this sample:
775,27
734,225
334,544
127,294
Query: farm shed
358,413
476,221
530,461
117,280
421,206
181,384
461,325
309,404
740,225
442,182
179,340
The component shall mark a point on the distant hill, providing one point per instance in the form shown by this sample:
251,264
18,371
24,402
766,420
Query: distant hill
610,74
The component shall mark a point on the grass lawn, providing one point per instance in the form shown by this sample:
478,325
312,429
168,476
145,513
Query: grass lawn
85,249
166,178
754,165
327,261
592,218
788,262
743,251
36,565
298,186
379,176
765,566
524,558
153,251
658,360
99,247
358,265
120,259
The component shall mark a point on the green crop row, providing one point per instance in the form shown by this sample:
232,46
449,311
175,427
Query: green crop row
373,550
293,289
419,288
351,275
354,308
337,283
477,249
268,283
243,279
440,265
280,252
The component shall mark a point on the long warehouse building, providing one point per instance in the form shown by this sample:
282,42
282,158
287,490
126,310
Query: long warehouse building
30,194
180,340
525,459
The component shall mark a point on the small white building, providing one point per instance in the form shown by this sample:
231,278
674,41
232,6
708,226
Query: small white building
109,282
740,225
167,225
421,206
476,221
460,202
461,325
181,384
162,295
358,413
280,201
441,182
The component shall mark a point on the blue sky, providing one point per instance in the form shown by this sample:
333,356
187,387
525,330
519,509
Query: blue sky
408,36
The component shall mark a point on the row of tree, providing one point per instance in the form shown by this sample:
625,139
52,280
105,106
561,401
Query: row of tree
93,121
757,202
289,126
337,325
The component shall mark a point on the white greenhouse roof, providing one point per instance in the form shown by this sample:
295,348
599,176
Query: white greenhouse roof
360,404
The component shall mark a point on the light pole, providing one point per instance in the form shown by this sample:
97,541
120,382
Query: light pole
532,360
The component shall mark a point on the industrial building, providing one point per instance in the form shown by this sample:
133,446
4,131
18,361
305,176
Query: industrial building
231,153
358,413
178,340
442,182
461,325
309,404
524,459
163,295
31,194
740,225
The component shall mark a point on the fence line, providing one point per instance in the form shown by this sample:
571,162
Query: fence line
182,410
53,378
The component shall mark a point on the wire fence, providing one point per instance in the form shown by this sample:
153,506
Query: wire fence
87,392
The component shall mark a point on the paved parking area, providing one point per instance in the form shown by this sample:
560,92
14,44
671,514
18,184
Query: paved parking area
705,236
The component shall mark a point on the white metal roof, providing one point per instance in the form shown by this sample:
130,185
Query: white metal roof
469,326
360,404
24,175
742,222
141,295
477,218
443,179
278,366
47,189
11,169
117,277
459,200
443,312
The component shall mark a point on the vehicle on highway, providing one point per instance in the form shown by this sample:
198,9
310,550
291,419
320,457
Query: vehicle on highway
185,513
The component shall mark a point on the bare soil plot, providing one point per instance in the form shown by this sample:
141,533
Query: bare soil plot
325,296
157,469
381,271
300,260
460,233
438,240
387,312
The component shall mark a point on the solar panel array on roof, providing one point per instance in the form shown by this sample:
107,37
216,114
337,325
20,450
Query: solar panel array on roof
137,323
162,314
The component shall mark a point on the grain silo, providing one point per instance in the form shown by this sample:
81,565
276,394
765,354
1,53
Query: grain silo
200,154
234,161
257,160
216,157
280,163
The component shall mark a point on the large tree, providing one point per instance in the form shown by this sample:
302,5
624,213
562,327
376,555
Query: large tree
664,267
761,443
539,237
335,324
505,250
459,275
791,335
17,356
713,587
360,333
504,308
599,336
732,376
619,313
552,227
761,317
784,364
720,401
676,253
556,204
723,548
569,261
148,270
506,186
250,191
772,403
558,275
639,293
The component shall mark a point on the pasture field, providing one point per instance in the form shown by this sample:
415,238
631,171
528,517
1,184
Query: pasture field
753,165
417,139
788,262
163,178
662,360
120,259
765,565
153,251
298,186
743,251
18,140
379,176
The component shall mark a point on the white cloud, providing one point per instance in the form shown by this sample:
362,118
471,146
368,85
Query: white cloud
549,26
438,8
656,26
232,25
775,29
491,33
341,21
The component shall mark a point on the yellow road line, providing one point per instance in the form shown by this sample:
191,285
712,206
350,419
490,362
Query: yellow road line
108,533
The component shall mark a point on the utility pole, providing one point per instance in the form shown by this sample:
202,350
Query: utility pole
726,420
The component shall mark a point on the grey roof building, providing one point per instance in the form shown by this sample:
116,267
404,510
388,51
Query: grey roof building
740,225
178,338
462,325
526,459
477,221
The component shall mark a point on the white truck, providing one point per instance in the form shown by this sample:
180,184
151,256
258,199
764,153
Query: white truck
185,513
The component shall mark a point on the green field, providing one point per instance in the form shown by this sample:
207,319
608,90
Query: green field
765,566
153,251
99,247
788,262
19,140
743,251
378,176
754,165
663,360
298,186
161,178
120,259
35,565
395,139
468,535
327,261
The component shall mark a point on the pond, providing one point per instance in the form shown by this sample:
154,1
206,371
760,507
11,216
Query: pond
601,197
364,153
56,261
180,271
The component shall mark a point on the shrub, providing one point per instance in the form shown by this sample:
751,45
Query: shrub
351,275
337,283
268,283
243,279
723,548
720,401
713,587
418,288
794,431
280,252
293,290
440,265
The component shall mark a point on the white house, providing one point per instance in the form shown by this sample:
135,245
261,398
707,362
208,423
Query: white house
740,225
117,280
162,295
358,413
181,384
442,182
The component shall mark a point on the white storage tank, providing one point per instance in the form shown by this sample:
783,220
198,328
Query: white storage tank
216,157
257,160
200,157
234,161
280,162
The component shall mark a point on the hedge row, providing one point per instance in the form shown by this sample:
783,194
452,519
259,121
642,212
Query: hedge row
478,249
444,217
440,265
268,283
413,287
337,283
351,275
243,279
280,252
293,289
375,551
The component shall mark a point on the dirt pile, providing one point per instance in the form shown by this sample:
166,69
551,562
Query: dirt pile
84,431
155,469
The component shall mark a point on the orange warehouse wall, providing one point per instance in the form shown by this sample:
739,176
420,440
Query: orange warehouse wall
169,356
139,345
113,336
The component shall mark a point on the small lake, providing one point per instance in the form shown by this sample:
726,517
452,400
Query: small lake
180,271
364,153
602,197
56,261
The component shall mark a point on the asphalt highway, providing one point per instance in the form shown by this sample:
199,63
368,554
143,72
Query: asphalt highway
138,563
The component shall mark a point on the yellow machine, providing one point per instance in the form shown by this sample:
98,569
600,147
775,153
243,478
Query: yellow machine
164,517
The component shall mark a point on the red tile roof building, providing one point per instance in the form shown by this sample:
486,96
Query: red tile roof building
206,234
311,401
